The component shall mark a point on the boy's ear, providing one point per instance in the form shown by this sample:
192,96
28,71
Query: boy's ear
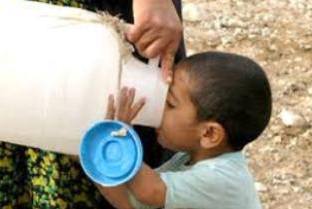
212,135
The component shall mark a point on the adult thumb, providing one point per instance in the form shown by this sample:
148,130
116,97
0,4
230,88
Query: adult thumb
167,63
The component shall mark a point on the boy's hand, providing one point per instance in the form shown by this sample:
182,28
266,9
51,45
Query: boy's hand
124,110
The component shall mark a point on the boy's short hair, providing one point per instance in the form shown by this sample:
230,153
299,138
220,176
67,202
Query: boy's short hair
232,90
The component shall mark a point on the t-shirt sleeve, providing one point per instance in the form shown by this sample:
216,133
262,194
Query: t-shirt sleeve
194,188
163,168
137,204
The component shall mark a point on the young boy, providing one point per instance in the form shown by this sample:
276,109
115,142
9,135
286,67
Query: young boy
217,103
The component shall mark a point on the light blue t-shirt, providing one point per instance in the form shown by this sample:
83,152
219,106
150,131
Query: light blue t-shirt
223,182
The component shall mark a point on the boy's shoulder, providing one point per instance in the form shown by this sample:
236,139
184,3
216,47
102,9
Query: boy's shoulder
222,179
231,159
221,172
231,166
225,160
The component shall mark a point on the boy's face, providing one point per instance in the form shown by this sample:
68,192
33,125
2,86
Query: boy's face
179,127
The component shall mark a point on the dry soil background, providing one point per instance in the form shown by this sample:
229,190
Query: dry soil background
277,34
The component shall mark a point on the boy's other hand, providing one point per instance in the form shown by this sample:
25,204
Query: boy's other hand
125,109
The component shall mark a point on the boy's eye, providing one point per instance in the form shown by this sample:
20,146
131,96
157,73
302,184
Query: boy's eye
170,105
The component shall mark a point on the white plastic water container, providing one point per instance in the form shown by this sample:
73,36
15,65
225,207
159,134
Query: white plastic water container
57,67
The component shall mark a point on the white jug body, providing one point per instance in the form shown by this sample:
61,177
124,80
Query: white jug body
57,67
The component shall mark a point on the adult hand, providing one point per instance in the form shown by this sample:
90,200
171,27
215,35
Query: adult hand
157,31
124,110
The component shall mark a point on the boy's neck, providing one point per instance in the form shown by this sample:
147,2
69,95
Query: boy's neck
203,154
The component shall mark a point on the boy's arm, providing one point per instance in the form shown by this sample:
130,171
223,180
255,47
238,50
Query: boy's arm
148,187
124,110
117,196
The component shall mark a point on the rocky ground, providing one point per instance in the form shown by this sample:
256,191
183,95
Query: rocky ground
278,35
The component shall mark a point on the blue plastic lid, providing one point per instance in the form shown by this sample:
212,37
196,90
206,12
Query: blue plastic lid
109,159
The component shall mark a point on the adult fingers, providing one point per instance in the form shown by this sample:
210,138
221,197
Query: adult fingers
147,39
155,48
135,32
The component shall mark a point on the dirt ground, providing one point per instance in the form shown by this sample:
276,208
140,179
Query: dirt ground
278,35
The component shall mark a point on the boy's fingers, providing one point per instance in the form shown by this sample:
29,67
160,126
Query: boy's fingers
122,105
126,111
137,107
123,95
110,112
131,95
